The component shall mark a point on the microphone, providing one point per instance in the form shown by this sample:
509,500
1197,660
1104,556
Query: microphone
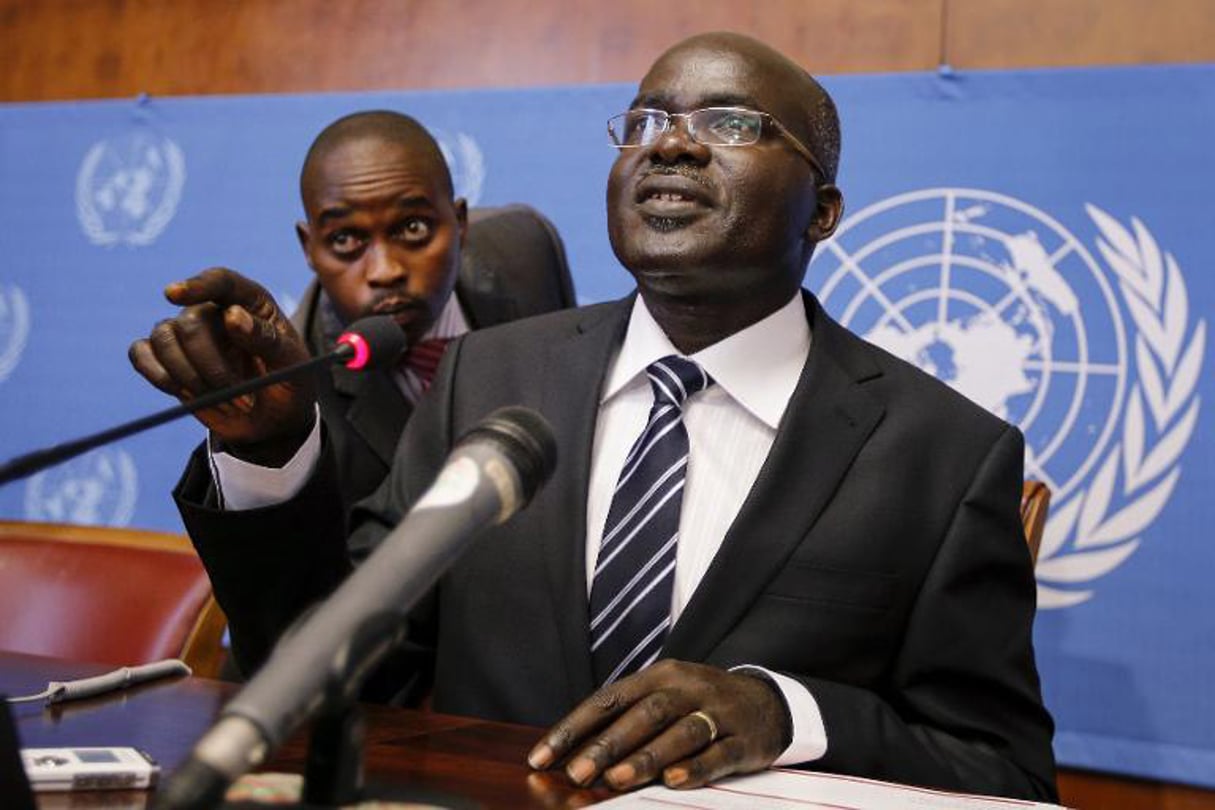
370,343
491,473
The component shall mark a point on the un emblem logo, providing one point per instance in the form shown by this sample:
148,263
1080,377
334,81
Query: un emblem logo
128,188
98,489
1096,362
466,163
14,328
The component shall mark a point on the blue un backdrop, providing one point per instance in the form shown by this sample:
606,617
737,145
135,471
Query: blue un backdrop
1040,240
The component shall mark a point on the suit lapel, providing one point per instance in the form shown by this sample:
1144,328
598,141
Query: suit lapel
373,406
573,377
828,420
377,410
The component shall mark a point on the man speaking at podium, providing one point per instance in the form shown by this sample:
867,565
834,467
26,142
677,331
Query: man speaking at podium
741,483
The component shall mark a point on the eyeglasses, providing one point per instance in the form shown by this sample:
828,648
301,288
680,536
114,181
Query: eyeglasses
711,126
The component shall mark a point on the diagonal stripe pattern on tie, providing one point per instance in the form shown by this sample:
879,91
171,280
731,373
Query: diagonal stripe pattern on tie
423,359
635,571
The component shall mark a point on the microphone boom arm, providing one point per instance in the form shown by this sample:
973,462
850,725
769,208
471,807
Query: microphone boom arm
30,463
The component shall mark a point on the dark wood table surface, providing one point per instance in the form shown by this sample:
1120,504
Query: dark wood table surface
449,761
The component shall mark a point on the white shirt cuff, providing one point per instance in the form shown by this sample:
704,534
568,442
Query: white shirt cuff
809,734
243,485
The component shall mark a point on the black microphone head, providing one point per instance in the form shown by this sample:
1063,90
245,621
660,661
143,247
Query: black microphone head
525,438
377,341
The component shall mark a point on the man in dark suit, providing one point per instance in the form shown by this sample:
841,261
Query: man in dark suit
849,590
512,265
384,233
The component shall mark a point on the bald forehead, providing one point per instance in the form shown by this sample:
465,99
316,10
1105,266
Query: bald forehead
372,139
729,69
358,153
732,69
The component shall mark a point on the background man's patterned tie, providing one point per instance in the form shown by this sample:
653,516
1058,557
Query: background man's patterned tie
423,358
634,575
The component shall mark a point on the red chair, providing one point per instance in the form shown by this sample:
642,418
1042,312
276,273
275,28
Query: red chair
112,596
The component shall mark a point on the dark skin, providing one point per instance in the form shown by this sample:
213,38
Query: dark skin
383,235
718,238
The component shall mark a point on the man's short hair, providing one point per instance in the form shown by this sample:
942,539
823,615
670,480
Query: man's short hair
386,125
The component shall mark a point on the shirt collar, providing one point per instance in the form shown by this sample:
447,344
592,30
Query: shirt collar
451,322
758,367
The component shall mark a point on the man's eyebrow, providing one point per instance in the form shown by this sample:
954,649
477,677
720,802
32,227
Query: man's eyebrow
333,212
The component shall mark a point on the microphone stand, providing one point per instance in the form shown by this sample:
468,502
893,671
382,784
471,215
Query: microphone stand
30,463
333,770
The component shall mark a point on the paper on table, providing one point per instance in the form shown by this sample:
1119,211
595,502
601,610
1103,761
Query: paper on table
781,789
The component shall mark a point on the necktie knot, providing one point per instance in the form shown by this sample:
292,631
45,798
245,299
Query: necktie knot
676,378
423,358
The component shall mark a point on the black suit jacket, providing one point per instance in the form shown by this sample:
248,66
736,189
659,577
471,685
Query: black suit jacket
513,265
878,559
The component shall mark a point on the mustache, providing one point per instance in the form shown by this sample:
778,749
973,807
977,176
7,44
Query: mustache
679,170
391,302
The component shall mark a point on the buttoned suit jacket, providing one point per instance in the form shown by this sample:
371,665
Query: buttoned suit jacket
513,266
878,558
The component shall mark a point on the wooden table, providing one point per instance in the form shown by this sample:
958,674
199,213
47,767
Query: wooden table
452,761
456,761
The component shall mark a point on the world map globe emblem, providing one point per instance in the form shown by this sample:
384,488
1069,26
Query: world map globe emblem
984,292
129,187
996,298
99,488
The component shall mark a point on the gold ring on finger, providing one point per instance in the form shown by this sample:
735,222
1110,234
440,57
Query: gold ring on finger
708,722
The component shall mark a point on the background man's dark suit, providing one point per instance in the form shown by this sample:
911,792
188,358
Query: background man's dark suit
512,266
878,559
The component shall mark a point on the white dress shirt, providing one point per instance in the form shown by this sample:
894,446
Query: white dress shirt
731,427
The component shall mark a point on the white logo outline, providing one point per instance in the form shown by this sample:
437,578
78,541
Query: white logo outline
13,348
1083,540
98,488
466,163
1154,292
151,225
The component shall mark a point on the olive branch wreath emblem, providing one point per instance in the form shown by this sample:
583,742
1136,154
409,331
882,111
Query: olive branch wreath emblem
91,221
1098,527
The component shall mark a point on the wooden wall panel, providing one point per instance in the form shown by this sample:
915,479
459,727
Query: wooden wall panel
1043,33
62,49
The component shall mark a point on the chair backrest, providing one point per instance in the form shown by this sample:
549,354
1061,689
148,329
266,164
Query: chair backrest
1035,503
113,596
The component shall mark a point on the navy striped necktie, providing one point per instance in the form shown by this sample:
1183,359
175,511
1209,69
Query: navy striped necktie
635,571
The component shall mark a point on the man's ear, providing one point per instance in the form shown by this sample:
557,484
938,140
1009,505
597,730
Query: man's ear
461,206
305,236
827,213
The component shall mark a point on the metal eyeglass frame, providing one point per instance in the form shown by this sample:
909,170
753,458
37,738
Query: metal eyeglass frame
668,117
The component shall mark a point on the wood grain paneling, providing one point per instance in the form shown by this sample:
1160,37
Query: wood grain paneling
1044,33
61,49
